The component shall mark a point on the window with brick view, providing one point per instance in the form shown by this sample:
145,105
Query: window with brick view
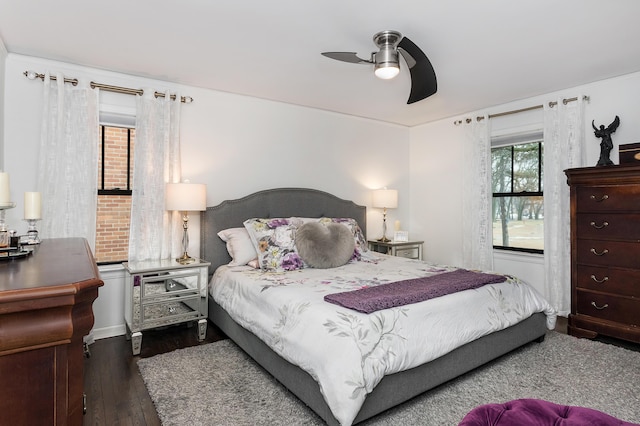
115,176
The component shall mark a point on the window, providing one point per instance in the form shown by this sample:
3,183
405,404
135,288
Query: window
115,177
518,215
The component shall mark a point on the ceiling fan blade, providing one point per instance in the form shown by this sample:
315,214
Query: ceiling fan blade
423,76
351,57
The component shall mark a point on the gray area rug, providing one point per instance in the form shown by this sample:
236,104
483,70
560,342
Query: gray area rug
217,384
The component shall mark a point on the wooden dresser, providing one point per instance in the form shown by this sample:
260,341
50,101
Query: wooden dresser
605,252
45,310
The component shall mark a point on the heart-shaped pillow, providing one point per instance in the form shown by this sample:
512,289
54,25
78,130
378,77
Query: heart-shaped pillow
324,245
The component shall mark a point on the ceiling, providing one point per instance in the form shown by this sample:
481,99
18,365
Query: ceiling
484,53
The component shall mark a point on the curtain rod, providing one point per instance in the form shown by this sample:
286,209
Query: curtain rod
32,75
531,108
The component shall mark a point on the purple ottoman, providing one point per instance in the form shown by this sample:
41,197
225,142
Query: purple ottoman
524,412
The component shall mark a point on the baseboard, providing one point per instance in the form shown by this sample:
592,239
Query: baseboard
105,332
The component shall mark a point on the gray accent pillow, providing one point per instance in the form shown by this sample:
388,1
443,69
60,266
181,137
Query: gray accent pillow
324,246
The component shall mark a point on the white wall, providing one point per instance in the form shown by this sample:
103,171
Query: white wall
234,144
108,309
436,168
3,59
436,184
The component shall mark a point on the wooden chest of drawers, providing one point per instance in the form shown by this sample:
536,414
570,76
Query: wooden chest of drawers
45,311
605,252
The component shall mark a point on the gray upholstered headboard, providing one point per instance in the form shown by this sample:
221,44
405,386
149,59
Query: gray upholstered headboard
281,202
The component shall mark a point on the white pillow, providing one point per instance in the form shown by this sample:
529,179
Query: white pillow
239,246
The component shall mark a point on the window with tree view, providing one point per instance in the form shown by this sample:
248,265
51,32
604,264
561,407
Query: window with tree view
518,215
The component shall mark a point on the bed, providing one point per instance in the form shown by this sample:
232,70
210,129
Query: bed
393,388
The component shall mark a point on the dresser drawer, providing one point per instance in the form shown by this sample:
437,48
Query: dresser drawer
608,253
607,198
625,282
609,307
608,226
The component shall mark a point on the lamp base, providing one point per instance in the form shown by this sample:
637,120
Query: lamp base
384,238
185,259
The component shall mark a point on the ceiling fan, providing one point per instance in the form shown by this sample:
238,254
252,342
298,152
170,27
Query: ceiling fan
387,64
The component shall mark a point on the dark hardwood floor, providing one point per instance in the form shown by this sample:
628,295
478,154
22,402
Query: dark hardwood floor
116,394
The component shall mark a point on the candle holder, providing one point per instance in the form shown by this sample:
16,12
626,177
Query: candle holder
4,233
5,206
32,232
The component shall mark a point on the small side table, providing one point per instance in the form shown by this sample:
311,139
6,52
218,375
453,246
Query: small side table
408,249
164,292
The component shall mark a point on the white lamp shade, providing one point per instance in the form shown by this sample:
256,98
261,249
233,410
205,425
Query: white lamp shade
185,196
385,198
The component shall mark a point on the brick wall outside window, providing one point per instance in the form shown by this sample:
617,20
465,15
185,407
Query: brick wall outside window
114,211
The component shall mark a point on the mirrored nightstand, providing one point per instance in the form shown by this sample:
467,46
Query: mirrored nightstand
408,249
164,292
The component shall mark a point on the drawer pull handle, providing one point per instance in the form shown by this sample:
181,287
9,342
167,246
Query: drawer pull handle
599,307
604,225
602,253
593,277
172,310
604,197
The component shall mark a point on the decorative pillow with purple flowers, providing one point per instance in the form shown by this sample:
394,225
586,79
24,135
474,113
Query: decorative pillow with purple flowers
274,240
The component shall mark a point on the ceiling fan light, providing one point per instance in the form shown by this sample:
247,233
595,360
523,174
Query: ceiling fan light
386,60
386,71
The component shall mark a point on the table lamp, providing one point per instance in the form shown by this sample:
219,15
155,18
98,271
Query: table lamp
385,199
185,197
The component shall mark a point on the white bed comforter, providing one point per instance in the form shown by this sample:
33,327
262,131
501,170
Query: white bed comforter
348,352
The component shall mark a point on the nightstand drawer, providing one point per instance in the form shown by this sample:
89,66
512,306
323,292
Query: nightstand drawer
168,312
406,249
409,253
161,302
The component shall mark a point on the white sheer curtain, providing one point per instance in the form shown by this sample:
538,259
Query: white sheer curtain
67,162
477,196
155,233
563,141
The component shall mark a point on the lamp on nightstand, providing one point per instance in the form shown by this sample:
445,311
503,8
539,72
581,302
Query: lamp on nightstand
385,199
185,197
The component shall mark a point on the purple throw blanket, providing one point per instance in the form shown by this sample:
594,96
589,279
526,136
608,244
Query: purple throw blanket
414,290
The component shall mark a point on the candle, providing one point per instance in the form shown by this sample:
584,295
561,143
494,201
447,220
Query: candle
4,188
32,205
397,225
